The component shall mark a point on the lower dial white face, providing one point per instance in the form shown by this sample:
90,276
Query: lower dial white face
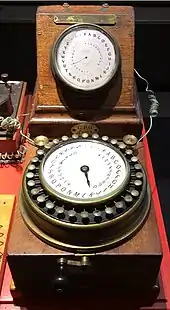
84,172
86,58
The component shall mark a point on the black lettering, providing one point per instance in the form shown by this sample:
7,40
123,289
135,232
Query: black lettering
114,182
51,176
83,195
62,178
91,194
53,181
63,189
98,193
58,185
76,194
113,157
116,162
69,192
110,185
118,167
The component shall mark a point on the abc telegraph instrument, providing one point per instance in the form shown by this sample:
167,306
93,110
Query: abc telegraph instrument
85,208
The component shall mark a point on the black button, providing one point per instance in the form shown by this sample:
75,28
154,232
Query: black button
97,216
41,200
128,153
40,154
29,175
85,217
72,215
139,175
60,212
119,206
128,199
31,168
137,166
109,212
138,183
134,193
31,184
35,161
50,207
35,192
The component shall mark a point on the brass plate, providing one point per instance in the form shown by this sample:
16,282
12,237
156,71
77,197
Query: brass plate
84,127
100,19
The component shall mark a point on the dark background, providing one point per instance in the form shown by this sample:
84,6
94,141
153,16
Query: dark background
152,60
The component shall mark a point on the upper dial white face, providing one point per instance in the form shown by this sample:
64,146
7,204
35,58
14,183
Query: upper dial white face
85,171
86,58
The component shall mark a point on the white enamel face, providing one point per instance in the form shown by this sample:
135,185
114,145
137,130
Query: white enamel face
84,172
86,58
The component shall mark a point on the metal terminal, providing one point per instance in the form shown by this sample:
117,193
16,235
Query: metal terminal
65,5
113,142
95,136
41,141
75,136
105,5
122,146
55,141
85,261
105,138
130,140
48,146
84,135
64,138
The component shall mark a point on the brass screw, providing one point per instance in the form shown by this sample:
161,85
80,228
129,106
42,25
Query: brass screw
41,86
39,33
55,19
41,141
65,5
105,5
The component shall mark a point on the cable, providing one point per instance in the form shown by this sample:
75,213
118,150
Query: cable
154,104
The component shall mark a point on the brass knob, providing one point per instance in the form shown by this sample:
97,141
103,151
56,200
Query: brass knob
41,141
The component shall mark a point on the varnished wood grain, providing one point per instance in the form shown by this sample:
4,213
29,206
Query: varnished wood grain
47,32
48,113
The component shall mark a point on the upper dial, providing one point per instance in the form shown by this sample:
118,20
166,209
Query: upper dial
85,57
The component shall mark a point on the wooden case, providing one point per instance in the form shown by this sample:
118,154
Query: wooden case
120,113
130,269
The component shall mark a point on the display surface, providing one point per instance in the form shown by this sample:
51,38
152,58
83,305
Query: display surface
85,57
85,171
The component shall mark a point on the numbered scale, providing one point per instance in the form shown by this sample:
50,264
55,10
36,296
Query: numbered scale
85,193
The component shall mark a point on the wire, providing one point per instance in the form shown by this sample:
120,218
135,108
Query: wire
154,104
149,129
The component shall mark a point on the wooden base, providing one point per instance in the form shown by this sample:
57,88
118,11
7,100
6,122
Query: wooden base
128,270
58,124
20,104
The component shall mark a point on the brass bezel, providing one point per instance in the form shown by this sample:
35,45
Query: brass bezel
54,65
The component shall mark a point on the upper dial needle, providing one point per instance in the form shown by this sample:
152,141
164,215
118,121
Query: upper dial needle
85,170
76,62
